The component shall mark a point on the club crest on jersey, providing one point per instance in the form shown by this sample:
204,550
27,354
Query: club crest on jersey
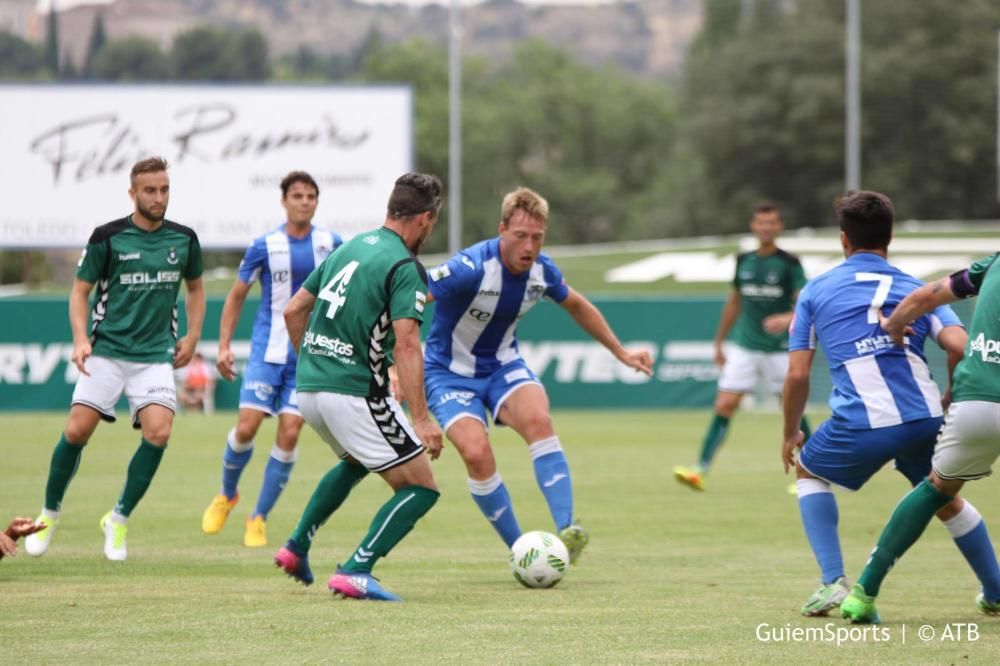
440,272
172,256
772,278
535,291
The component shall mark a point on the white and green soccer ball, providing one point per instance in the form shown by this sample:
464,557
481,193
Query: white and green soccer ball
538,559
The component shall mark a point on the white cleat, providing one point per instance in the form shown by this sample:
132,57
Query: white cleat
36,544
114,538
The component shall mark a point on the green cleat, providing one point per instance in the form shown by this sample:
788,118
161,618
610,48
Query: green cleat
693,477
826,598
859,608
575,539
987,607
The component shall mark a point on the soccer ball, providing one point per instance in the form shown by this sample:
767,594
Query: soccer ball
538,559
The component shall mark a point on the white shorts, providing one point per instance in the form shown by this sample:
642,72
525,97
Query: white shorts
143,383
373,431
744,368
969,442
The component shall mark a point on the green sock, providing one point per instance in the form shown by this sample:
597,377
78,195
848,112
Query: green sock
141,471
65,462
713,440
905,526
392,522
806,430
331,492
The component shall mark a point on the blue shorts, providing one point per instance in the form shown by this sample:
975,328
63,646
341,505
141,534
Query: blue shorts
452,396
269,388
849,458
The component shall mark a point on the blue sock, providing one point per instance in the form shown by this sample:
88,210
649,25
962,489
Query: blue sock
820,516
276,473
234,459
493,500
552,474
972,538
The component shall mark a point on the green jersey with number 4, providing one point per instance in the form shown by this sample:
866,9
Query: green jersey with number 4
138,274
767,286
977,377
361,288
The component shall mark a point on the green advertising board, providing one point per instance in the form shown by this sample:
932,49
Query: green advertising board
36,344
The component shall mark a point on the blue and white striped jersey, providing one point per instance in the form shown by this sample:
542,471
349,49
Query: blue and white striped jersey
478,304
282,264
876,383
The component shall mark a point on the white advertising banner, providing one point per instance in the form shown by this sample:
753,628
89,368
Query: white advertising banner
66,152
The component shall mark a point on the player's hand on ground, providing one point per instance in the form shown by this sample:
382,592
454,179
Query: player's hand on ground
20,527
897,332
430,434
184,351
640,361
788,448
226,364
720,356
777,324
81,352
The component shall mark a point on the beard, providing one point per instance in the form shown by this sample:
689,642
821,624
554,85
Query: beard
149,215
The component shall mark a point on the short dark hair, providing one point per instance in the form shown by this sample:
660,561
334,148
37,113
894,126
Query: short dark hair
148,165
865,218
765,207
413,194
297,177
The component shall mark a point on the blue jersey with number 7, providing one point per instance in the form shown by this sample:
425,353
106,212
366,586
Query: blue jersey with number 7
876,384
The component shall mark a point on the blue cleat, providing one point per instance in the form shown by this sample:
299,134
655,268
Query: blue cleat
295,565
353,585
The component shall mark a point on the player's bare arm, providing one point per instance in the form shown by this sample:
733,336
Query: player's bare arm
79,313
730,312
194,306
777,324
920,301
590,319
231,309
793,403
297,316
952,340
409,358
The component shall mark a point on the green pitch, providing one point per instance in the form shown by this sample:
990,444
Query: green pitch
670,575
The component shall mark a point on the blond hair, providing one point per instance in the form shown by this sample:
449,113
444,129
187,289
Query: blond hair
526,199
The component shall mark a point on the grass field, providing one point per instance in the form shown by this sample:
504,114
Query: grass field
670,575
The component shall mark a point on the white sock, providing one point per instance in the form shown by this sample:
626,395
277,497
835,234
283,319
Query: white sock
965,521
544,447
486,486
804,487
281,455
238,447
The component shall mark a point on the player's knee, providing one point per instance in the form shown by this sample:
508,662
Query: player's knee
479,461
245,432
78,434
537,425
157,436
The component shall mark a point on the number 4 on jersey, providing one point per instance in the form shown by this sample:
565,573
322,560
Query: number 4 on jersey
335,290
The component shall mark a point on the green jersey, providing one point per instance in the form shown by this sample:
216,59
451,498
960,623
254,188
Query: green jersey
767,285
977,377
138,275
368,283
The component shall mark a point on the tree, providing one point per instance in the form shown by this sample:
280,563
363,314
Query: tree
98,37
131,59
19,59
763,113
213,54
52,41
